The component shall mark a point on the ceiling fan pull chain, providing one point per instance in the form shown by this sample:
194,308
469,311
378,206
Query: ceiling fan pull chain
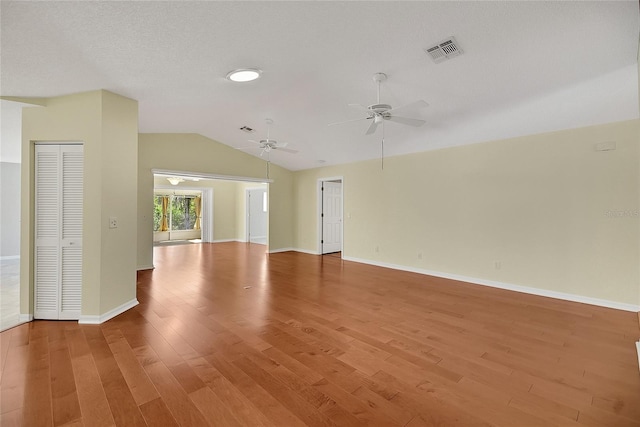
382,149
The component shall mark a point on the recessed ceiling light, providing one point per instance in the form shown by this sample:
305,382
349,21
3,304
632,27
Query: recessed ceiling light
244,74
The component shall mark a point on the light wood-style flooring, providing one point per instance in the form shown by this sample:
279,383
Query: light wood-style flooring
226,335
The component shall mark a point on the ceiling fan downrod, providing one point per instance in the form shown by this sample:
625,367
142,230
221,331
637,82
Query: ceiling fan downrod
379,77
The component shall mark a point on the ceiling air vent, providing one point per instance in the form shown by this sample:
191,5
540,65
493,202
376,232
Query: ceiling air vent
247,129
444,50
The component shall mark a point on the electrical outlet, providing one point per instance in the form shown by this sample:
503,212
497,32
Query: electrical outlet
113,222
419,255
498,265
377,249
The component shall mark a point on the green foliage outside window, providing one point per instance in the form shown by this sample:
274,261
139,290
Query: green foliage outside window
181,214
157,212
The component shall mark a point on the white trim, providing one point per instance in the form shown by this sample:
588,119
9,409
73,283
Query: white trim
96,320
229,240
207,227
304,251
209,176
24,318
10,257
506,286
146,267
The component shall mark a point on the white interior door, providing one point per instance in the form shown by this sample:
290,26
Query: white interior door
257,206
331,217
58,231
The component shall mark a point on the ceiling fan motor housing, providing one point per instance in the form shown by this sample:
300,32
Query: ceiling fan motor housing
379,112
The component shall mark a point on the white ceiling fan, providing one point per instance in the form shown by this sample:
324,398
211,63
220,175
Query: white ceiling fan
268,144
378,113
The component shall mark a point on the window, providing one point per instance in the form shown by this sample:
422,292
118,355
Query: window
180,213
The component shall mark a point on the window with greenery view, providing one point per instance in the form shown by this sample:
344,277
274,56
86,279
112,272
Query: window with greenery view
181,213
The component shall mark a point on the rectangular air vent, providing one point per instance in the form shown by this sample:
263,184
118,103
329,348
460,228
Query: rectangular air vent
444,50
246,129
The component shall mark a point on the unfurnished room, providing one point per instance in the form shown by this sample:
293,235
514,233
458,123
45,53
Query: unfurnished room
320,213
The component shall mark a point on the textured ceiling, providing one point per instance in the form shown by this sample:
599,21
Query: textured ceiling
527,67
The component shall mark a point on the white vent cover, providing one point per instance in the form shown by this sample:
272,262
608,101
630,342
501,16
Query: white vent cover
247,129
444,50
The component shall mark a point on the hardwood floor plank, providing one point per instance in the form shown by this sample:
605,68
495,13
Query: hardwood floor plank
175,398
5,339
139,383
12,419
38,408
14,376
261,398
66,407
213,409
241,407
228,335
156,413
91,396
124,410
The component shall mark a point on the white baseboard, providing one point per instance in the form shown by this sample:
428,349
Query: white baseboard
28,317
304,251
507,286
146,267
98,319
275,251
9,258
228,240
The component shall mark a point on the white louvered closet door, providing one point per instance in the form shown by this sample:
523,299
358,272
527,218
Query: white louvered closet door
58,230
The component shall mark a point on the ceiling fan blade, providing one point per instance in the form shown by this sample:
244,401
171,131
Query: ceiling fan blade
348,121
407,121
245,148
280,144
255,142
372,127
286,150
414,106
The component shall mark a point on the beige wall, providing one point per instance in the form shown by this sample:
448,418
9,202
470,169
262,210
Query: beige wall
198,154
107,124
555,213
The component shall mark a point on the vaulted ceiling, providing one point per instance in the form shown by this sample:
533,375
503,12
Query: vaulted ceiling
527,67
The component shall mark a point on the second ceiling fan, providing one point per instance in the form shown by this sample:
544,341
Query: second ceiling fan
379,112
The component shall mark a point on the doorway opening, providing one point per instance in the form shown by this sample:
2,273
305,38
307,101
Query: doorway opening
223,208
330,212
10,182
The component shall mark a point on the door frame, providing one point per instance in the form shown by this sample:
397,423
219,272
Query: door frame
319,205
